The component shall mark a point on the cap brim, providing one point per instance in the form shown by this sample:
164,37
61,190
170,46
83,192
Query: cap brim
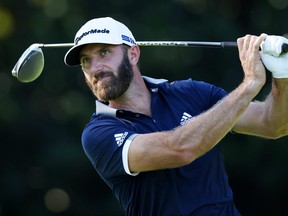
72,56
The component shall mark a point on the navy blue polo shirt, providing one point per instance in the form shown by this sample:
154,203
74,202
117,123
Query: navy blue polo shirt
200,188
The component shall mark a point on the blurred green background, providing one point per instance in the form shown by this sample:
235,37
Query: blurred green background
44,171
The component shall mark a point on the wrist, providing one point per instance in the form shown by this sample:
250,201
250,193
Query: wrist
251,87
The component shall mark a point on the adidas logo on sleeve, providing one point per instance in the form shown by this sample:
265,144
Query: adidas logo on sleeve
119,138
186,117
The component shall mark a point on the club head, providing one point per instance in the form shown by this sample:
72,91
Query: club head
30,64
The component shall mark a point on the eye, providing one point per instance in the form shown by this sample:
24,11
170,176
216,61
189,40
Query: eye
85,61
104,52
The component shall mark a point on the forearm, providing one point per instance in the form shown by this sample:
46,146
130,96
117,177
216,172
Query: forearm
269,118
276,104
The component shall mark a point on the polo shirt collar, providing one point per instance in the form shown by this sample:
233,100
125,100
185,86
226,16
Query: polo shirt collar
104,109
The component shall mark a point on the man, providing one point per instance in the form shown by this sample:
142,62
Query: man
155,143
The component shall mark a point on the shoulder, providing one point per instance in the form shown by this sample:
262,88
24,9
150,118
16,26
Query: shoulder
193,87
191,92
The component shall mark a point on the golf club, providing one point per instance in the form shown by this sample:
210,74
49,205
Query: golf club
30,65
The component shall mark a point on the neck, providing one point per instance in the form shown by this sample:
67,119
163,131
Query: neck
136,99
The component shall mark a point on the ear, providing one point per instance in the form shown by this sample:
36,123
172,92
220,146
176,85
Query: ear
134,55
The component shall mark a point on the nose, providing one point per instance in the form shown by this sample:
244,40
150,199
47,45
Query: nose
96,66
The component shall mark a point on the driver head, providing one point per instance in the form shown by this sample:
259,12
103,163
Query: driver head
30,65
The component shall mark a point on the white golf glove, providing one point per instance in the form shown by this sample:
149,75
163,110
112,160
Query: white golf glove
272,58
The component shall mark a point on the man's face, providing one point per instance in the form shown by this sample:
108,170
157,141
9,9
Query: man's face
107,70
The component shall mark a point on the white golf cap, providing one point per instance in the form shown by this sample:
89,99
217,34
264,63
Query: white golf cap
100,30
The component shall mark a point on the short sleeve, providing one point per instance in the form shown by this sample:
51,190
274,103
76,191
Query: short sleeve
106,143
125,155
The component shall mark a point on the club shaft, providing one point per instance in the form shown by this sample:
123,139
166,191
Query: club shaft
223,44
164,43
56,45
187,44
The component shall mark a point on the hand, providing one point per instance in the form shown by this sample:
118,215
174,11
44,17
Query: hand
272,58
253,68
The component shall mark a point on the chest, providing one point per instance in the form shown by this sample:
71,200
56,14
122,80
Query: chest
167,114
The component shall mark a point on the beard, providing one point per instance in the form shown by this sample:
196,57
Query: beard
116,86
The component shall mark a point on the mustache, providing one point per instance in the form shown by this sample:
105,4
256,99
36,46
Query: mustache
102,74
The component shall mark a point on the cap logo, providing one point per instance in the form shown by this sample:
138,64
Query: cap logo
128,39
92,31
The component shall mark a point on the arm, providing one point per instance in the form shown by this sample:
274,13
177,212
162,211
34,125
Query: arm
186,143
269,118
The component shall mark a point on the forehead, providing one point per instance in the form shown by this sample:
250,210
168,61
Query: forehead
94,47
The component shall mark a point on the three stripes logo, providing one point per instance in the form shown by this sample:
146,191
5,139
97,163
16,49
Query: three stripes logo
185,118
119,138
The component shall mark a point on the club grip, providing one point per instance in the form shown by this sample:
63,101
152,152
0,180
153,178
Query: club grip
225,44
